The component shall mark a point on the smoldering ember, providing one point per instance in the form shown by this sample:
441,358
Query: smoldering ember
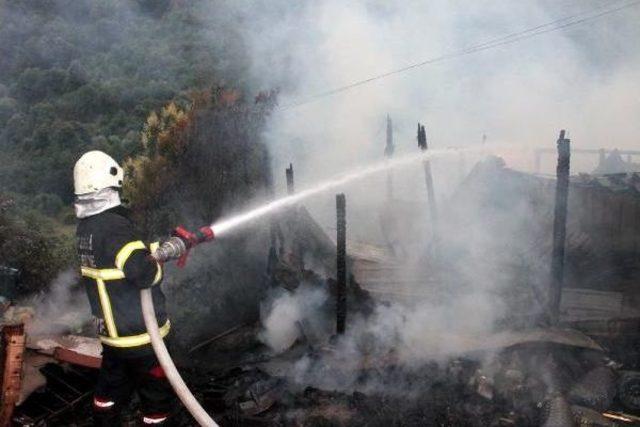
319,213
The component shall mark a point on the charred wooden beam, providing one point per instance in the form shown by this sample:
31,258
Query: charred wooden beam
559,226
422,143
389,147
297,244
273,224
13,343
215,338
290,183
388,154
341,264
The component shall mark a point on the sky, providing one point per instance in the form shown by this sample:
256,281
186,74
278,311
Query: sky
581,78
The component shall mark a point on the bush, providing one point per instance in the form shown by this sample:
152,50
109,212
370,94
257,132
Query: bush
33,244
47,203
8,107
181,146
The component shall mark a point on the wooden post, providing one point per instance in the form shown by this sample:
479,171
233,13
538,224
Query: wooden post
388,154
431,197
13,342
290,183
274,226
341,264
297,245
559,227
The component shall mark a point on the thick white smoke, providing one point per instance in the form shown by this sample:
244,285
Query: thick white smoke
582,79
408,335
62,307
283,314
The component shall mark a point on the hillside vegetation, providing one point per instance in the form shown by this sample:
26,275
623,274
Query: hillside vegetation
129,78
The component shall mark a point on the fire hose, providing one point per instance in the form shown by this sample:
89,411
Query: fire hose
177,247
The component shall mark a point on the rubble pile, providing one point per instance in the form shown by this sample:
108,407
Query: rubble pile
529,384
447,366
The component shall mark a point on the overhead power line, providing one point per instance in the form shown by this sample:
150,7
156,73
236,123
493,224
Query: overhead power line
555,25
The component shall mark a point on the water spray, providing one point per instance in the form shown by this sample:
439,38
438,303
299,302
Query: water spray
182,241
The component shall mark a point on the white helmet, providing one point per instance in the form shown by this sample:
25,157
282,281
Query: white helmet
95,171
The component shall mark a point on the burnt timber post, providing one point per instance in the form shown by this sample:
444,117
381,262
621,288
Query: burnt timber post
275,233
13,343
388,154
297,244
431,197
341,264
559,226
290,183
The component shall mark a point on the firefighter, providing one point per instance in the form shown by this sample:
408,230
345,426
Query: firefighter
115,264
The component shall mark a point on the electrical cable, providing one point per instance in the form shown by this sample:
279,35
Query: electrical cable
500,41
148,310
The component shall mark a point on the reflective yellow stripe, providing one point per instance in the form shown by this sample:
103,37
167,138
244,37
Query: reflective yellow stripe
107,274
158,277
104,274
134,340
126,251
153,246
106,309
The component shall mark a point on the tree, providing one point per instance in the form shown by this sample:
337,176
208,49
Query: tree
8,107
30,243
199,160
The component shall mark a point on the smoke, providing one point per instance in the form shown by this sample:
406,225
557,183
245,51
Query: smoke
407,335
581,79
61,308
283,314
518,97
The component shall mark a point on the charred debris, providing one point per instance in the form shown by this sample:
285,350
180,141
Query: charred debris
564,350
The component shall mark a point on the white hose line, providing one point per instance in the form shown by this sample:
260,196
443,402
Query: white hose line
166,362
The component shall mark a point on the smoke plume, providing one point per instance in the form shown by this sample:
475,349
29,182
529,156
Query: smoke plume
61,308
284,312
515,96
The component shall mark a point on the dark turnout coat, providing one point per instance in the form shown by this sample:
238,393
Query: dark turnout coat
115,264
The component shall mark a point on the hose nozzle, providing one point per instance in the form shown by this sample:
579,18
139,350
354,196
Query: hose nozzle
179,244
171,249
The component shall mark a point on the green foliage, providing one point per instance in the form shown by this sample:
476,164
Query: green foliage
197,161
48,204
77,75
33,243
35,84
84,74
8,107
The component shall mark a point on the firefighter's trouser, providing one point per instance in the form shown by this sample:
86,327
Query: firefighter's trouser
120,377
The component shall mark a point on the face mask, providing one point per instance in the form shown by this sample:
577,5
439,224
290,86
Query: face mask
93,203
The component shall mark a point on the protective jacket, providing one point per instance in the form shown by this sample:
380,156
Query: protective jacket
115,265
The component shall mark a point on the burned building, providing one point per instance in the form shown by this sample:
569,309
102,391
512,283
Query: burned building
457,336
